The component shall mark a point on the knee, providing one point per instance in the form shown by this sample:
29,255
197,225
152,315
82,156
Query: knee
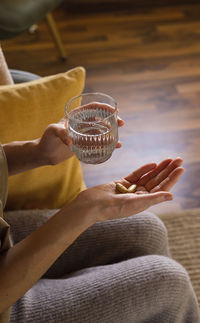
168,289
170,277
148,234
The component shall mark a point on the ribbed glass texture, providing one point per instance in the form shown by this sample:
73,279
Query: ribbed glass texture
94,132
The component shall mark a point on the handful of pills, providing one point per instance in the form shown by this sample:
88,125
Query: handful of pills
122,189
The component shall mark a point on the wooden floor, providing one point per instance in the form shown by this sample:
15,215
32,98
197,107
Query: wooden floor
148,59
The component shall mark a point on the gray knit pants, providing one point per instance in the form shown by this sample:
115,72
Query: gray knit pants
117,271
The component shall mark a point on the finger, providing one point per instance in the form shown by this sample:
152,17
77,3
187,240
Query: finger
155,198
162,175
136,175
120,122
119,144
136,203
147,177
170,181
98,105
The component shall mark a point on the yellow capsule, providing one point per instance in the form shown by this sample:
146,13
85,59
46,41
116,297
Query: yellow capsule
121,188
132,188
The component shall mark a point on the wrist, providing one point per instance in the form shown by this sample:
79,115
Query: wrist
82,207
37,154
78,215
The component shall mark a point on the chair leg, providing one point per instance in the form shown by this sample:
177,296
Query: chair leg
56,36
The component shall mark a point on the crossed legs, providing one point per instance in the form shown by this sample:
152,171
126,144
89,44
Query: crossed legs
117,271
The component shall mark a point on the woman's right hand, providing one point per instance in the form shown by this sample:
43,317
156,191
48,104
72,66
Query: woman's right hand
153,184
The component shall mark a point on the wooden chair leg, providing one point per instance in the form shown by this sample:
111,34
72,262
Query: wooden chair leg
56,36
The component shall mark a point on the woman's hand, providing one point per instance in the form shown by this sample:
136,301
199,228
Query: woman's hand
52,148
153,185
54,145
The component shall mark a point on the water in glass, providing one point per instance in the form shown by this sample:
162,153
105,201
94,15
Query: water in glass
94,133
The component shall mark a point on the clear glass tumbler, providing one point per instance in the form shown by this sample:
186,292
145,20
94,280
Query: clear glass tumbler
92,125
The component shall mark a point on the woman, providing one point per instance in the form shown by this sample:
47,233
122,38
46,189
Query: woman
95,260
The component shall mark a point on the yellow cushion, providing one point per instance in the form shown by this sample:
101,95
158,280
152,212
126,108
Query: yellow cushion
25,111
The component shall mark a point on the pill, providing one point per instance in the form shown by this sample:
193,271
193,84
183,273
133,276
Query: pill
132,188
121,188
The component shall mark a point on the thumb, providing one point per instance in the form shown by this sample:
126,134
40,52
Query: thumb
155,198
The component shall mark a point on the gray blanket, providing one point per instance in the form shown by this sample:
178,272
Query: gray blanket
117,271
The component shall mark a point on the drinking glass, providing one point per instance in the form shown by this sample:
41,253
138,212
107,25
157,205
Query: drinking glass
92,126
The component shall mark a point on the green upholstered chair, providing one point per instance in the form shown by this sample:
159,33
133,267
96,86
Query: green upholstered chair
17,16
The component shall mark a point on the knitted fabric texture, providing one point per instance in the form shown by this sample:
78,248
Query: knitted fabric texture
117,271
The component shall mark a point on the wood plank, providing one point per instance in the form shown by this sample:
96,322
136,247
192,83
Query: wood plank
189,87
